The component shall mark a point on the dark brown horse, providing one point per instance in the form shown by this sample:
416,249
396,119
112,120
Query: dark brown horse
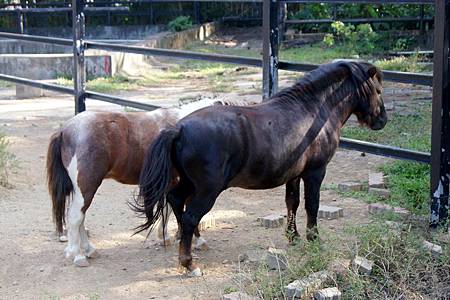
290,137
93,146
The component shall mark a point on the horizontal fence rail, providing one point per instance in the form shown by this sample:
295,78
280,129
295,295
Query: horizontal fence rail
68,90
368,20
224,1
385,150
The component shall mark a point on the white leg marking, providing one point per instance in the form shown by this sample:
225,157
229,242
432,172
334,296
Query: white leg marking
164,238
201,244
75,218
87,247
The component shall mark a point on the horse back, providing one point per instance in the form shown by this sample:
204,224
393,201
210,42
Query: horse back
113,144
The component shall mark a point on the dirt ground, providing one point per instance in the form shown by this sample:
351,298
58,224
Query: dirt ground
32,265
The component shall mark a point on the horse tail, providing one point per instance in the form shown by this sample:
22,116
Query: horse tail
155,179
58,180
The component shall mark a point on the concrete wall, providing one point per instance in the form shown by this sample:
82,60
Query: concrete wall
49,66
101,32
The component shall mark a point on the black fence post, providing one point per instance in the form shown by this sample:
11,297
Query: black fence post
197,12
79,70
151,14
270,33
282,21
440,132
20,21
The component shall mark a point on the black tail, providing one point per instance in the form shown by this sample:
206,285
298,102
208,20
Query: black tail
58,180
156,176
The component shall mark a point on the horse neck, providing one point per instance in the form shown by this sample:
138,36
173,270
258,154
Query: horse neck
342,101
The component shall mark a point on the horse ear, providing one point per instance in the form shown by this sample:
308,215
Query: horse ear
372,71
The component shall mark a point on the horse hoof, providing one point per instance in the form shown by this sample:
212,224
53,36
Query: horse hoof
81,261
201,244
195,273
68,253
63,238
93,254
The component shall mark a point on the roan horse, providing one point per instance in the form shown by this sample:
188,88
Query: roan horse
93,146
291,136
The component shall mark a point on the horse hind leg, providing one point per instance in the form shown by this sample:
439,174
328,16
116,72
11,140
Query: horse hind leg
86,246
200,204
76,234
200,242
163,233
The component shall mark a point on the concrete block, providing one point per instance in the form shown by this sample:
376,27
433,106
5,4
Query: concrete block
433,248
376,180
384,193
330,212
271,221
350,186
276,259
303,287
404,213
362,265
207,222
238,296
340,266
328,294
253,256
376,208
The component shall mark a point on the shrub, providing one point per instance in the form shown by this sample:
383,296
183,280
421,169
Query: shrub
180,23
361,39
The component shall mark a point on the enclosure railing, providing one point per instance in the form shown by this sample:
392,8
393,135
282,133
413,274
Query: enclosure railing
108,9
439,158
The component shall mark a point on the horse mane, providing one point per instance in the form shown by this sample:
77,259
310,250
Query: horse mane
325,76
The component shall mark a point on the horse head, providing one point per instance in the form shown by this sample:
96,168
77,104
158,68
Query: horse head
370,109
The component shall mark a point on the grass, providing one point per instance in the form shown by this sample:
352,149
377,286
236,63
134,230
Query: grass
317,54
8,161
405,131
404,64
408,182
402,268
6,84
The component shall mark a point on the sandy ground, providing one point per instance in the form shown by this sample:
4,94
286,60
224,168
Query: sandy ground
32,265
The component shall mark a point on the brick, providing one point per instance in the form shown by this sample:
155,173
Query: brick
328,294
208,222
301,288
238,296
271,221
330,212
362,265
433,248
384,193
350,186
276,259
376,180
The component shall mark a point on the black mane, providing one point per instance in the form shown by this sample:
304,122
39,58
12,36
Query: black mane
320,79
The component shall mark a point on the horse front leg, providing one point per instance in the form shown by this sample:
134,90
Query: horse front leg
292,203
312,180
